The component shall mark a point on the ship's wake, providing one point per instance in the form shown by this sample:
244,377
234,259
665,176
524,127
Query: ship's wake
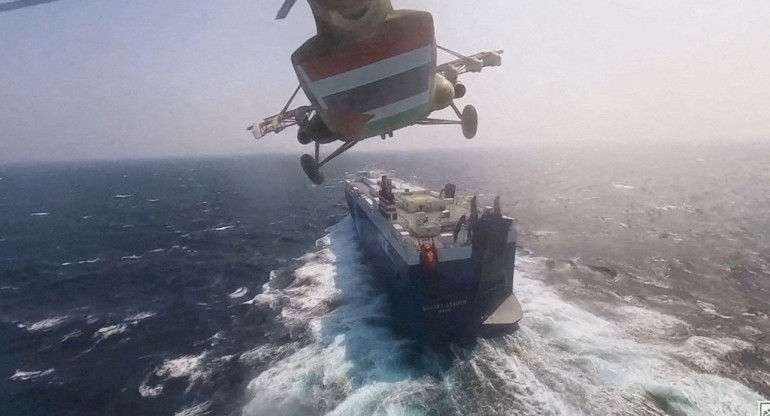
332,352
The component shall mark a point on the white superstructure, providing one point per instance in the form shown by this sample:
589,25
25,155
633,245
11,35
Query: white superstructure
415,215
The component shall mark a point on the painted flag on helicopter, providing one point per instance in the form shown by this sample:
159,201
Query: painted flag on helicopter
377,85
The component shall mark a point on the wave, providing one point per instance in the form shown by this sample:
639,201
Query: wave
337,324
338,356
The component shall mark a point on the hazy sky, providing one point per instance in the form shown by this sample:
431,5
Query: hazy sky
82,79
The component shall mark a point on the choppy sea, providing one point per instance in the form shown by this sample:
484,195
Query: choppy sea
232,286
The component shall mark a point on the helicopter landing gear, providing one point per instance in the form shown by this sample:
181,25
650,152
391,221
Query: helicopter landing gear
311,169
469,120
312,166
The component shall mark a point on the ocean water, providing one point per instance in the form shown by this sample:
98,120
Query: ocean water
232,286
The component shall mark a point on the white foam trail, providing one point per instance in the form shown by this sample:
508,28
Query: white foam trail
575,362
563,361
349,346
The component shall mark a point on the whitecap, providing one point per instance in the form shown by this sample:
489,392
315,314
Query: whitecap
108,331
150,391
40,214
131,257
190,367
621,186
710,309
226,227
20,375
197,410
122,196
46,324
241,292
186,366
153,200
90,261
139,317
74,334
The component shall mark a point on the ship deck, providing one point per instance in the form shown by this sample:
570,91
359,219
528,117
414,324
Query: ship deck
420,213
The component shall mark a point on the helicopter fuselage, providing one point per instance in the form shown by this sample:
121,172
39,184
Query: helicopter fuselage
374,85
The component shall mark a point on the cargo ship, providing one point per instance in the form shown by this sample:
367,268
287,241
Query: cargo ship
446,261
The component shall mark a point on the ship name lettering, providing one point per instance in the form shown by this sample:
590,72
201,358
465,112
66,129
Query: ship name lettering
445,305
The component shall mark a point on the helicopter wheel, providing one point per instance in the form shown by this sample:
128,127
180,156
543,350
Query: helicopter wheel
469,121
310,167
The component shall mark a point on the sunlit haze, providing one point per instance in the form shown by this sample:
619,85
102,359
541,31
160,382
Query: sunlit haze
106,79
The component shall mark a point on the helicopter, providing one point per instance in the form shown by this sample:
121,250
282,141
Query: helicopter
370,70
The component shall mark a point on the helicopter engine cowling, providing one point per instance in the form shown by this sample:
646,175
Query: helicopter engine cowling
352,18
443,93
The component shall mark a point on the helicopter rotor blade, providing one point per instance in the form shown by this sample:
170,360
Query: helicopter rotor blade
285,8
19,4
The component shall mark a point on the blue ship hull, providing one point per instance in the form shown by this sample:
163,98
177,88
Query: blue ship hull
447,303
